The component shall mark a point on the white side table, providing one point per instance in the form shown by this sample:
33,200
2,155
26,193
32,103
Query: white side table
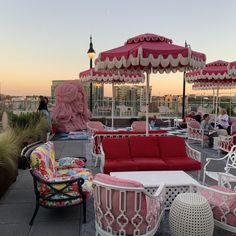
190,214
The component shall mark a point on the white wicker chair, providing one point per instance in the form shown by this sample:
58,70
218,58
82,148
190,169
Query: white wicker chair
124,207
228,161
222,199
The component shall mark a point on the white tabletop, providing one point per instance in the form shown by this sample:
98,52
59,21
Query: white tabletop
154,178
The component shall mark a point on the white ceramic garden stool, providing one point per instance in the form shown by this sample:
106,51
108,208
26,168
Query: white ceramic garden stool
191,215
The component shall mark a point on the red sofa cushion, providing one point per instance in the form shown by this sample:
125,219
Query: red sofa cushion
119,165
116,148
183,163
150,163
172,146
144,146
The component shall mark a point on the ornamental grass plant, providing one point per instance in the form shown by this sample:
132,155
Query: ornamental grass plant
23,130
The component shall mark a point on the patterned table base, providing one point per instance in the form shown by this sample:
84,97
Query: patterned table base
171,193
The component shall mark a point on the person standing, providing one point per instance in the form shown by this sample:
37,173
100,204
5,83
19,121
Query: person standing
43,108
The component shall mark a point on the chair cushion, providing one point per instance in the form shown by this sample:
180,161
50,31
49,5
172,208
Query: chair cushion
143,146
40,161
222,207
107,179
62,203
172,146
150,163
121,165
116,148
69,162
65,174
182,163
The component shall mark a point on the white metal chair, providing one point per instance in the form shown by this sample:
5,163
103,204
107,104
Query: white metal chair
228,161
139,126
124,207
226,142
195,132
222,199
94,126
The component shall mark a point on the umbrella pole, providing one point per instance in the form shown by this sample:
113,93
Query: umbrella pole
112,107
147,104
217,100
184,95
213,101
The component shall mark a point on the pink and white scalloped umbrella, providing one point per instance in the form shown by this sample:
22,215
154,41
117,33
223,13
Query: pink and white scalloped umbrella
91,75
215,74
150,52
232,68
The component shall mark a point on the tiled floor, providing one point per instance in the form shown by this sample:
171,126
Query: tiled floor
17,205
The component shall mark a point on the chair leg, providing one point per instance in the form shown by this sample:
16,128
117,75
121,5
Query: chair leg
35,213
84,211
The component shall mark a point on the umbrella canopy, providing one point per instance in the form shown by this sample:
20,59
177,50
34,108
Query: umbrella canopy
232,68
214,75
150,52
91,75
216,71
209,86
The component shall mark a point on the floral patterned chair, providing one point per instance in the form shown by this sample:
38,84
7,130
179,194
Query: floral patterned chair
59,183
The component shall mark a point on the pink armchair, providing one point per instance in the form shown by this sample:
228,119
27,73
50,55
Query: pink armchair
195,132
222,199
139,126
94,126
124,207
226,142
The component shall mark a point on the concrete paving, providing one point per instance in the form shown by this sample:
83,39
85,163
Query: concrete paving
17,205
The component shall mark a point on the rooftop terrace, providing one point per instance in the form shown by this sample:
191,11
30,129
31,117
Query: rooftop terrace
17,205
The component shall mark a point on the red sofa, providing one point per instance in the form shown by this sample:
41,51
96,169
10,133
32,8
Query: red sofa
98,136
137,153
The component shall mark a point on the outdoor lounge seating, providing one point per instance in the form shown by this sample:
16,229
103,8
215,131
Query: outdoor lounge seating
94,126
139,126
147,153
124,207
59,183
228,162
195,132
222,199
98,136
226,142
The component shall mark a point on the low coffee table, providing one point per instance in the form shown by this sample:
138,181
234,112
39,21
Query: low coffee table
176,182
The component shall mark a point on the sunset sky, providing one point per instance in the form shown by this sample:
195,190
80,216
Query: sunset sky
47,40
